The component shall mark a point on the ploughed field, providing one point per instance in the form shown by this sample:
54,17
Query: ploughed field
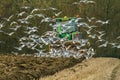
93,69
18,67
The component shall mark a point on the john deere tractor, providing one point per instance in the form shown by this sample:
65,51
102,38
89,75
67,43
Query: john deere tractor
68,38
66,28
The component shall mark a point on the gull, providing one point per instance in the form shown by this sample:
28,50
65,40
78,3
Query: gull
9,34
91,2
92,36
20,48
23,21
15,29
48,19
31,28
102,22
83,1
100,32
89,20
15,53
33,36
1,31
2,24
9,19
83,24
31,31
52,8
77,20
113,44
75,3
25,7
29,17
100,36
43,9
36,9
88,31
93,26
116,45
104,44
78,47
46,43
2,42
33,47
100,40
40,51
21,14
118,37
57,14
40,15
90,53
23,38
68,47
87,2
29,44
13,23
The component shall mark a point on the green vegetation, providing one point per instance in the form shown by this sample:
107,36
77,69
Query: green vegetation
103,9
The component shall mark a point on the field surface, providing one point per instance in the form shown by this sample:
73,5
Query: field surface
31,68
41,68
94,69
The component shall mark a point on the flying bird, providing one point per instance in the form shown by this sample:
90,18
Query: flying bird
34,10
102,22
13,23
20,48
118,37
47,19
15,29
21,14
57,14
23,21
9,18
52,8
88,31
113,44
29,17
40,15
25,7
75,3
87,2
104,44
92,36
100,36
100,32
2,24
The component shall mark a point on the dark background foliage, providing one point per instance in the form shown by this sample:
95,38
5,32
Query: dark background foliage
103,9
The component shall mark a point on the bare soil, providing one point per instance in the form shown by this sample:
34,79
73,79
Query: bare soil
93,69
14,67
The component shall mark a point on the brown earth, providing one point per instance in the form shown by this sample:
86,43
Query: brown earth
14,67
93,69
41,68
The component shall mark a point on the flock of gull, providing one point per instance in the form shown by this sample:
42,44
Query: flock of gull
35,42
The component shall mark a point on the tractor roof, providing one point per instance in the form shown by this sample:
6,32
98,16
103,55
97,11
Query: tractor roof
64,19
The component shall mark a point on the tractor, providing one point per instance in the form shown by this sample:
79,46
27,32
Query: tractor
67,38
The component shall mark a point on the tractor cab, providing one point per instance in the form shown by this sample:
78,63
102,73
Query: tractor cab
66,28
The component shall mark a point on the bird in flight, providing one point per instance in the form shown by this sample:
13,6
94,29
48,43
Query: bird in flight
57,14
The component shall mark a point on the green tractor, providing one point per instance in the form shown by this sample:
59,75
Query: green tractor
66,37
66,28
